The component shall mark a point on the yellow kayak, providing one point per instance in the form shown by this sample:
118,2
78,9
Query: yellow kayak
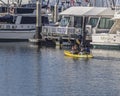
68,53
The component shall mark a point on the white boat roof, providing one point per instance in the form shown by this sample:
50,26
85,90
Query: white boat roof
88,11
77,11
107,12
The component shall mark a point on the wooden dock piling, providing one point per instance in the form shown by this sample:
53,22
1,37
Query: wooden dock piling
37,39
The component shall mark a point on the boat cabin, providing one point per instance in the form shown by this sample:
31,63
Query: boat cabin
116,27
111,39
97,19
71,21
21,18
21,21
99,25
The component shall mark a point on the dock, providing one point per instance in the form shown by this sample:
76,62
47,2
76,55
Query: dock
53,41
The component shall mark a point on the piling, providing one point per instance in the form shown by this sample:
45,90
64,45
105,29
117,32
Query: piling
60,42
55,13
38,21
84,31
38,37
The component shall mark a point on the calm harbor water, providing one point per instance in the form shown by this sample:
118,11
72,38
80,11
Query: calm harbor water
26,70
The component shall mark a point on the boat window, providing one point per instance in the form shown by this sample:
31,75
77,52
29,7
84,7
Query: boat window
3,9
105,23
78,22
8,19
24,10
93,21
32,20
28,20
64,21
45,20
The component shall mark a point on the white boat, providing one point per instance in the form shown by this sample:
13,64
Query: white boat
20,25
72,21
112,38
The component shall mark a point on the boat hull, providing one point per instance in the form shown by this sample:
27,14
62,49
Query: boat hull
68,53
16,35
106,41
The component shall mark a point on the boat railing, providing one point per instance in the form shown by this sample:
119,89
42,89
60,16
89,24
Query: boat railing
60,30
16,26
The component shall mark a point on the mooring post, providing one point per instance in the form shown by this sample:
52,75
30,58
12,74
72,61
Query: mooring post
61,42
84,31
38,20
55,13
37,38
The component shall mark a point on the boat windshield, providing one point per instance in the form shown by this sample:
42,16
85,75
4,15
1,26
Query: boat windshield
93,21
105,23
64,21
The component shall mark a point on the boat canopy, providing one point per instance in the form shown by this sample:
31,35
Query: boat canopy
88,11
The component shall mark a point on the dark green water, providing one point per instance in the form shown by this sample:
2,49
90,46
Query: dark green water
26,70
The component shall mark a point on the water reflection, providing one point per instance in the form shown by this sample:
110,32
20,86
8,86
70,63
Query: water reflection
106,54
29,70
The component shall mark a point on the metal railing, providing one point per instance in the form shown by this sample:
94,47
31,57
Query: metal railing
60,30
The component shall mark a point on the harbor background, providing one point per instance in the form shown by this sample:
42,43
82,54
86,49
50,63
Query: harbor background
28,70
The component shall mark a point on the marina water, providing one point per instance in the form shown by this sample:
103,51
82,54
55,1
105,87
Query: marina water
26,70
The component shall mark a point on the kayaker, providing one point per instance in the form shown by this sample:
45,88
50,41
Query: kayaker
77,45
75,49
82,50
87,49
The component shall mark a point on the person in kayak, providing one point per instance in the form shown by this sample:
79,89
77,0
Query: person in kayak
76,46
87,50
84,50
75,49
